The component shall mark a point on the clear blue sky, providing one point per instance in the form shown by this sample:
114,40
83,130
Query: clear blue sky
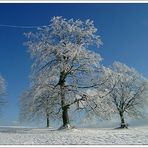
123,29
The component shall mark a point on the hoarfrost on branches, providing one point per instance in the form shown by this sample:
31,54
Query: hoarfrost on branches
2,91
64,63
127,97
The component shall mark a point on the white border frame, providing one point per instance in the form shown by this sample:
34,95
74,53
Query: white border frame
75,1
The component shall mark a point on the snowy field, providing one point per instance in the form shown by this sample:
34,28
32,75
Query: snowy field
81,136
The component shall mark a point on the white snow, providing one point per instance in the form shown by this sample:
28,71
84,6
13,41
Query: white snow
80,136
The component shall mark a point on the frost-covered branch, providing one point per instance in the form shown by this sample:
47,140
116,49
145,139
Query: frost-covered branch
127,94
62,56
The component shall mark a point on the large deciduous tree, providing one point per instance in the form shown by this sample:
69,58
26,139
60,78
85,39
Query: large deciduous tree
127,95
64,63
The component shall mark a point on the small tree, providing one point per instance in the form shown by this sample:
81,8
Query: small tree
61,53
126,96
2,91
38,102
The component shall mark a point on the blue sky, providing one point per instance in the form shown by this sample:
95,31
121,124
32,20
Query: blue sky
123,29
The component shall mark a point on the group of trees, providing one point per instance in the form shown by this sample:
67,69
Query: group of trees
68,76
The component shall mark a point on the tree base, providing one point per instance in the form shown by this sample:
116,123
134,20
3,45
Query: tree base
67,126
123,126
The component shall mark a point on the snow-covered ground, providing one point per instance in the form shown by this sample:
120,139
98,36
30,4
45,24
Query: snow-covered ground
80,136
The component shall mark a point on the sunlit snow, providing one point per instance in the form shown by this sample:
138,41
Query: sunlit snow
80,136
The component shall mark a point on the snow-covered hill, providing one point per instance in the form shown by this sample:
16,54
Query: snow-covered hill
81,136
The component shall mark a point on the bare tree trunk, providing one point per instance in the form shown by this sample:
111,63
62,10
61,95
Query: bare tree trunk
47,113
65,116
47,123
123,125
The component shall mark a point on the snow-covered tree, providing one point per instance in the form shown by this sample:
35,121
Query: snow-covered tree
64,63
128,87
2,91
25,106
38,103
